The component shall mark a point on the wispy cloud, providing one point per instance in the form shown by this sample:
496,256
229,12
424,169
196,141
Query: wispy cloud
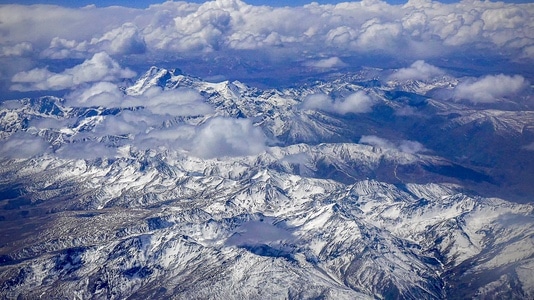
23,145
358,102
326,63
529,147
405,146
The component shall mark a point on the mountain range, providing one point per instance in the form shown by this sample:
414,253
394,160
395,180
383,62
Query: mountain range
349,187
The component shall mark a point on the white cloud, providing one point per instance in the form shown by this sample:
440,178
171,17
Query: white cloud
327,63
377,142
99,94
376,34
228,137
489,88
411,146
20,49
180,102
358,102
61,48
39,24
405,146
217,137
122,40
120,125
419,70
23,145
177,102
101,67
190,28
317,102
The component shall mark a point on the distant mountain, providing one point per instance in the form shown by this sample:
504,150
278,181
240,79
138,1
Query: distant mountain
350,188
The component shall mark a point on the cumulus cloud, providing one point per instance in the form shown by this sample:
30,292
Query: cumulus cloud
358,102
61,48
101,67
419,70
377,34
418,28
405,146
39,24
228,137
122,40
489,88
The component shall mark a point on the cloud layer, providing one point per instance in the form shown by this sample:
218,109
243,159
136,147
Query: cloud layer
417,30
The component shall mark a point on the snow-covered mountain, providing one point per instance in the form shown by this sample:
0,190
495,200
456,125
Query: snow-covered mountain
352,188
